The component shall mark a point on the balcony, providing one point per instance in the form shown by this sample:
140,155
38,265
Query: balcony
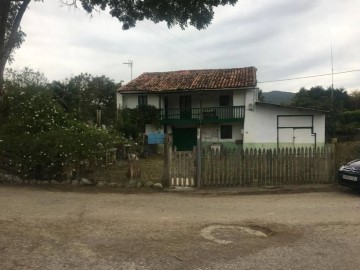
205,115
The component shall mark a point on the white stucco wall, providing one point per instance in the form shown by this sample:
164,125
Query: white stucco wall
260,127
119,100
131,100
251,97
211,133
209,99
239,98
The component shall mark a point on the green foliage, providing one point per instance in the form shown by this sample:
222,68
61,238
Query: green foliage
350,123
354,100
128,129
25,77
13,37
147,115
38,138
351,116
82,95
183,13
321,99
131,122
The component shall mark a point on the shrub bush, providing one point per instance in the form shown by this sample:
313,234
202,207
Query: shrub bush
37,137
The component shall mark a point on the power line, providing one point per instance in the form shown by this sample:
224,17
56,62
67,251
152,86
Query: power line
312,76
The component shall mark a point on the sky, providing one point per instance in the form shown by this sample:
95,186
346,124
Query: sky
281,38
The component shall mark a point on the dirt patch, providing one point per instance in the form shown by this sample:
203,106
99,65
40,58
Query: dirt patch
151,170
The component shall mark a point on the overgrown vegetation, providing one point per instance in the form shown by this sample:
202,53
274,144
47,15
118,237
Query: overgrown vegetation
82,95
39,138
132,122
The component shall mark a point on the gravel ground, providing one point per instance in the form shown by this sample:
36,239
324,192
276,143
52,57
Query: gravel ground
47,229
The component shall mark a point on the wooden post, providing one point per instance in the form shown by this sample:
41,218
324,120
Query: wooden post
334,162
98,117
167,163
198,158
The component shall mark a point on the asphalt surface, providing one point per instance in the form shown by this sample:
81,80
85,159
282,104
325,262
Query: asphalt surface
51,229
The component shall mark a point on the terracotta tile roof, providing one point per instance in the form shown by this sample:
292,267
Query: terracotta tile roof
184,80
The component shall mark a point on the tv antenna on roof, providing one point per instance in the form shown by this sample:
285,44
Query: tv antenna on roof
130,64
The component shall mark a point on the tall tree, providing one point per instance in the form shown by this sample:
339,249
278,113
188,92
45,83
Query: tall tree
82,95
21,82
354,100
197,13
11,36
24,78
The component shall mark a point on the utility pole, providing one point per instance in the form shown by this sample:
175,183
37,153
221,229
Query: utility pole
130,64
332,73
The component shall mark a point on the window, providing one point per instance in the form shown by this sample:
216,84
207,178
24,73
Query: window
226,132
142,101
224,100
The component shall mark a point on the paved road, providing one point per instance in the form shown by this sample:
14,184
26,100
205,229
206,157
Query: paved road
42,229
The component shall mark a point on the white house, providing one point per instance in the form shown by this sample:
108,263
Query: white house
224,104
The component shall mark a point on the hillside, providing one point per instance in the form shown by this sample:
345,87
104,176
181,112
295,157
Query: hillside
278,97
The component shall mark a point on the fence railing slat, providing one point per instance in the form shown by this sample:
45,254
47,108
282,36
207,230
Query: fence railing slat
259,167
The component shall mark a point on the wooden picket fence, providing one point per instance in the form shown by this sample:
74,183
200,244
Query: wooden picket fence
259,167
182,168
272,167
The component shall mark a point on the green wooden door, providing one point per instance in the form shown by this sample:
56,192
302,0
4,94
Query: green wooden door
184,138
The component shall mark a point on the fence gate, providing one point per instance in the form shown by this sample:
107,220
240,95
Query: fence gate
182,168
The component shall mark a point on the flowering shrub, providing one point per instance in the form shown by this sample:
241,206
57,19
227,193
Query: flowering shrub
37,137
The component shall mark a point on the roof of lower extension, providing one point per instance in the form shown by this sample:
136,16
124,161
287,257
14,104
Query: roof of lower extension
192,80
291,107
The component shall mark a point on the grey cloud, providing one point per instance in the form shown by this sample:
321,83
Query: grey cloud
283,38
273,11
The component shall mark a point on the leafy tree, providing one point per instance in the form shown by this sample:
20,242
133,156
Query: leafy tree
350,118
322,99
354,100
131,122
11,36
197,13
82,95
261,96
25,78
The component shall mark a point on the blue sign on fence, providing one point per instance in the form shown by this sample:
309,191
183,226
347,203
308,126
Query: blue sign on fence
156,138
